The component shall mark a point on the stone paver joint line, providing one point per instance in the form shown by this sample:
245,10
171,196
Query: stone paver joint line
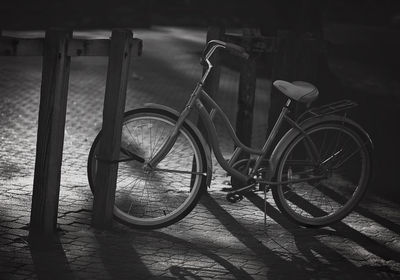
217,240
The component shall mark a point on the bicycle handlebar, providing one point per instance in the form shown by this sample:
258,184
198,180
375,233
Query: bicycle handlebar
232,48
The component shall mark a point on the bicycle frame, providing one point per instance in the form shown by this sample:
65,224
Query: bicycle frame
314,148
207,117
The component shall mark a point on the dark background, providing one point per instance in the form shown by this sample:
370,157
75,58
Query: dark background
361,60
270,14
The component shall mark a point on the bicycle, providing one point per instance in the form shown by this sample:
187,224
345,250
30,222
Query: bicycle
318,171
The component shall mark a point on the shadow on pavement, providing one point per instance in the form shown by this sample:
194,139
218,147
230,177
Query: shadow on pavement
123,262
50,261
306,239
378,219
119,258
184,272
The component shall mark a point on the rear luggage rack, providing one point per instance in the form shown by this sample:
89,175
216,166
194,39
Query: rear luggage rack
328,109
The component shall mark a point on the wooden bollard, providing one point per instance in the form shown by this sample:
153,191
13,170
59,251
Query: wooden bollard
50,139
114,105
246,96
247,91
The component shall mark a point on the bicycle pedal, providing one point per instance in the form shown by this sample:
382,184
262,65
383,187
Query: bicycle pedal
234,197
227,189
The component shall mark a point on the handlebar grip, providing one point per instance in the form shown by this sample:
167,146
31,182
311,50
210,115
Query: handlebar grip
237,50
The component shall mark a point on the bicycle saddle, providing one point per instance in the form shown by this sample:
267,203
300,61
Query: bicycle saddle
300,91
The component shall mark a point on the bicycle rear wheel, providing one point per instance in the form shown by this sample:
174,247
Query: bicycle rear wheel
342,160
163,196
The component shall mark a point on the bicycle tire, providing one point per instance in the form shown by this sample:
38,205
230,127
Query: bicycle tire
149,194
344,159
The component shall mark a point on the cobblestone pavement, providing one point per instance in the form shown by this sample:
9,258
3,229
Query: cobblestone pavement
217,240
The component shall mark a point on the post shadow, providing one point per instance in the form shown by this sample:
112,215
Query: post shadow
120,259
123,262
344,230
336,196
304,237
183,272
303,269
49,259
378,219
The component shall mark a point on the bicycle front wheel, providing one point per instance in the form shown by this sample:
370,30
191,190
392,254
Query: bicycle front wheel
158,198
340,166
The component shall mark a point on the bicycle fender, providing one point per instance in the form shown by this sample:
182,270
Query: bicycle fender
207,150
345,121
292,133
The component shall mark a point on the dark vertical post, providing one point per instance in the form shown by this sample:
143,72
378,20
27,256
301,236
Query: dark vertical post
298,52
114,105
295,60
50,139
211,85
247,91
282,69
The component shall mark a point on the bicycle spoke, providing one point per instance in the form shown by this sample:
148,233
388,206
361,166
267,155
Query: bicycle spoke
156,148
330,197
339,164
332,156
131,135
161,196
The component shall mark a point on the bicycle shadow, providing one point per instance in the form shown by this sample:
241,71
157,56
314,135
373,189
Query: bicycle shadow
117,252
122,261
336,196
306,236
305,241
280,268
182,272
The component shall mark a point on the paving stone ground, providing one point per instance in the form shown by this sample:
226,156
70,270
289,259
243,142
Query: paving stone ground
217,240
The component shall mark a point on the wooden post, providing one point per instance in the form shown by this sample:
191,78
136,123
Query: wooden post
50,139
114,105
211,85
295,60
247,91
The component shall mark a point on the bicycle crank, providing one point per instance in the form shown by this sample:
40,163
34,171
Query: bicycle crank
236,195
